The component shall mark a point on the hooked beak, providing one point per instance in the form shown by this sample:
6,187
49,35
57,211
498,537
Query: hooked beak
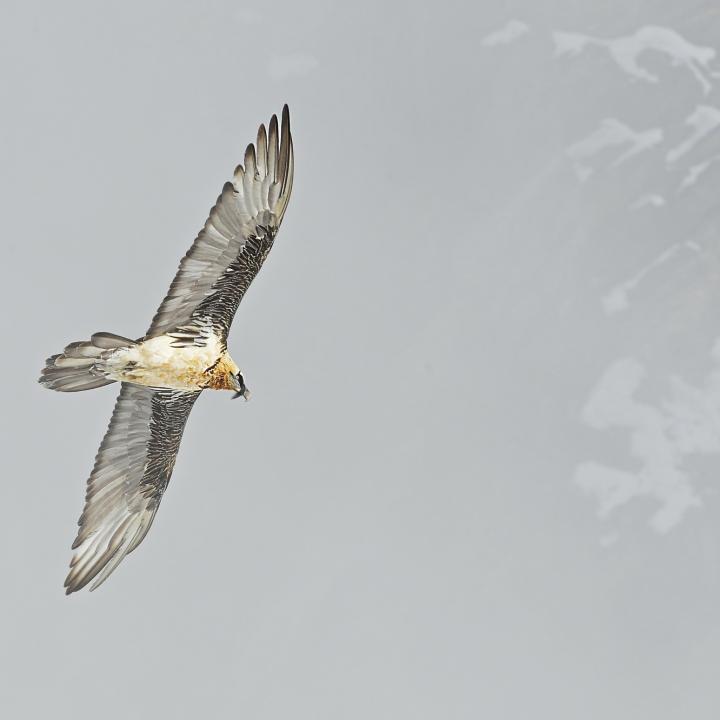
238,383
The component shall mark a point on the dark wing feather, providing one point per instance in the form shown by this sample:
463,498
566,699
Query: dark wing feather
132,470
232,246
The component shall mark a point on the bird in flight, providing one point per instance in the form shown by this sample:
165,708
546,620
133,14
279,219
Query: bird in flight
184,352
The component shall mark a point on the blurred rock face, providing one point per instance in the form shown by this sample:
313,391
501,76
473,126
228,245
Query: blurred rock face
625,200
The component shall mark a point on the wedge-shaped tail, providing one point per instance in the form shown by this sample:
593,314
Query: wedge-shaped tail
81,365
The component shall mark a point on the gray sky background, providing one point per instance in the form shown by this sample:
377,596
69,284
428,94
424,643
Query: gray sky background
478,476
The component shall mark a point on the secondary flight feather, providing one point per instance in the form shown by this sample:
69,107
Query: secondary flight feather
183,353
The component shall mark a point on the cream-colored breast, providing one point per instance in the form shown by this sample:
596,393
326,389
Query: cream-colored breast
157,363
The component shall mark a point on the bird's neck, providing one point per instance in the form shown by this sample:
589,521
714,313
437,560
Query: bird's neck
220,375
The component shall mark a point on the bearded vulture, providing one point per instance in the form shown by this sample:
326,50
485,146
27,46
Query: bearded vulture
184,352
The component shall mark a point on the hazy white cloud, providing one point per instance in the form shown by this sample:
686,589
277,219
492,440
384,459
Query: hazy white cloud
617,299
648,200
295,65
611,133
507,34
694,173
626,51
703,121
684,422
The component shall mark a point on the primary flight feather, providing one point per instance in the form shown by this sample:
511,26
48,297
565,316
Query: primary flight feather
183,353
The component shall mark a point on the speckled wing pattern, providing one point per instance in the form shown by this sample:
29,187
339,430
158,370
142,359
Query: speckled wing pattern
132,470
232,246
137,455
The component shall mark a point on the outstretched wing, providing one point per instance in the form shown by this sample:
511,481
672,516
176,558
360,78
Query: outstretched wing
132,470
232,246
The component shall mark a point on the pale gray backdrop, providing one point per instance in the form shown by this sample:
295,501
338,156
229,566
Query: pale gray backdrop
479,474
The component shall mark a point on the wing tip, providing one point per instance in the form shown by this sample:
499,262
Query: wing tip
74,581
250,161
285,126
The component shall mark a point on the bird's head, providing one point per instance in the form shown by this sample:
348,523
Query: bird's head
238,384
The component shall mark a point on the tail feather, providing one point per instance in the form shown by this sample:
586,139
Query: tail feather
80,365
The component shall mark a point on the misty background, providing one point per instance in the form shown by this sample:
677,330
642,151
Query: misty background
479,473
